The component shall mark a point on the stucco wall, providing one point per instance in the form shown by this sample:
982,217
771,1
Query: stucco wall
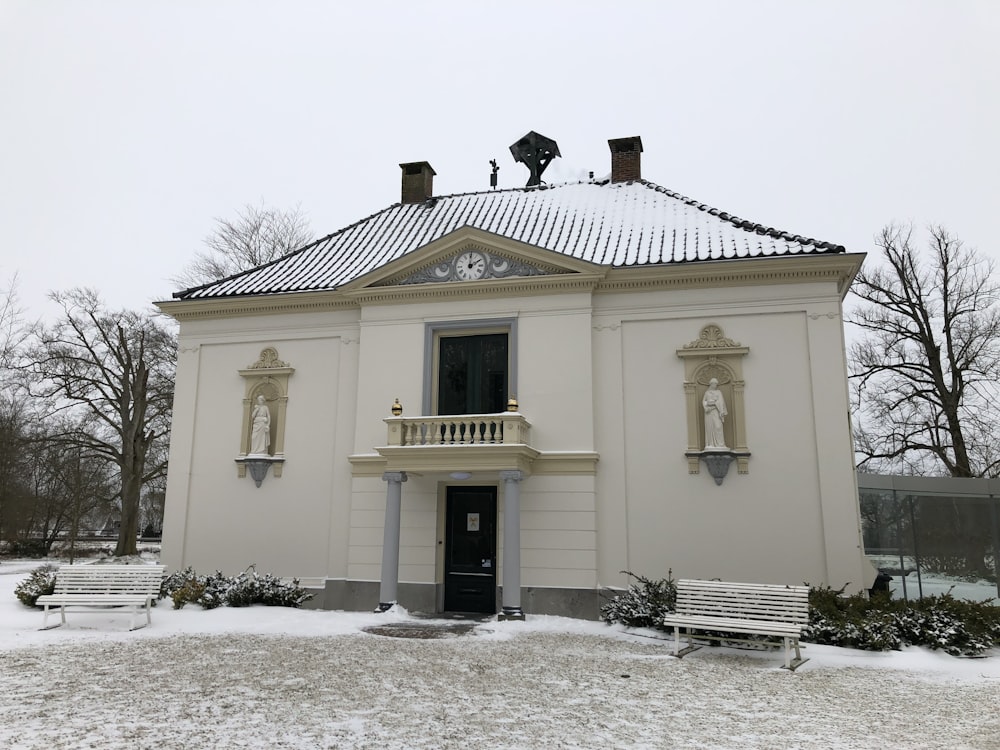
594,373
292,525
793,517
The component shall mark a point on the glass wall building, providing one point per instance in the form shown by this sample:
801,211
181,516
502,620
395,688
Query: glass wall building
933,535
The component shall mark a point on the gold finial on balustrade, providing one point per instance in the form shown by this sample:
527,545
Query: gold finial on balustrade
512,403
397,408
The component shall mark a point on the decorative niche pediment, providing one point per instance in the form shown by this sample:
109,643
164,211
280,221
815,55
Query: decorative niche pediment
713,381
265,390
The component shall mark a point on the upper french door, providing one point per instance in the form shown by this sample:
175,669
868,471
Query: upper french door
472,374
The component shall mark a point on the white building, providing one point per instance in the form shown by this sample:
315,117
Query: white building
550,348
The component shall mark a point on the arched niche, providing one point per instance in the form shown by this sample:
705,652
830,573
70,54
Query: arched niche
267,377
713,356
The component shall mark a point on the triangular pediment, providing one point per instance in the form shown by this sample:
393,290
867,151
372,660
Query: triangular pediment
470,256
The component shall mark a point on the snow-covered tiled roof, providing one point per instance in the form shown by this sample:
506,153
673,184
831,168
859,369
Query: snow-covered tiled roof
617,224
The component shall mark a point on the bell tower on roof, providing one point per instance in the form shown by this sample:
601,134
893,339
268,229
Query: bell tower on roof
536,152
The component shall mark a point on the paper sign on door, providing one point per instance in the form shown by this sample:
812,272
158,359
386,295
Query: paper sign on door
472,522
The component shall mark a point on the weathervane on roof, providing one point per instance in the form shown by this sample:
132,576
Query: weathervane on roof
536,152
493,174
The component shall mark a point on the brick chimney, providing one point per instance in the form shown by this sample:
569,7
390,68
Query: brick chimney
418,182
625,159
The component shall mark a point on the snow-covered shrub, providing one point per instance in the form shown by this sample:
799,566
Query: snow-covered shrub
216,590
643,604
250,588
189,591
241,590
186,586
958,627
175,581
851,621
40,581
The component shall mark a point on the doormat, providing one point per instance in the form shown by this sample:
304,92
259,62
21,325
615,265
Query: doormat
423,630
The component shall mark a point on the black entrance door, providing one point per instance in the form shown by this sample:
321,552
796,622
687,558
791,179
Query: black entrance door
470,574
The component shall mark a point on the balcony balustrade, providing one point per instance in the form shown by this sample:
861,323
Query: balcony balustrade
505,428
479,444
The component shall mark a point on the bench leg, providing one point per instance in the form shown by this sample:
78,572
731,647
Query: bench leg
135,611
792,664
682,652
45,619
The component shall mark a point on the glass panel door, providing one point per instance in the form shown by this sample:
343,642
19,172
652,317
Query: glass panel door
472,374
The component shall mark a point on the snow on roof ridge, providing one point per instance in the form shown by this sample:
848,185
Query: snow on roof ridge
736,221
750,226
495,191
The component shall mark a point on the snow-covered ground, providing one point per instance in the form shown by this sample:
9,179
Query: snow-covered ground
282,678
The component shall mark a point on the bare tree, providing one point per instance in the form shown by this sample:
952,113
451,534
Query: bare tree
13,331
256,236
14,470
14,416
925,372
66,485
114,372
925,381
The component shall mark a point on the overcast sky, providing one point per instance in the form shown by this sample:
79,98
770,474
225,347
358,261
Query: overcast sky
127,127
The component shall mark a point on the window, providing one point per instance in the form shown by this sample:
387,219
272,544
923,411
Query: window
472,374
469,368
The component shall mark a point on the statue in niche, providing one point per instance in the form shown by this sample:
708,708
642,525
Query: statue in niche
714,404
260,428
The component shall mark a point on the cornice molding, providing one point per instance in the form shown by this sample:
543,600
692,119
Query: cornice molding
840,269
582,277
443,460
449,290
262,304
447,458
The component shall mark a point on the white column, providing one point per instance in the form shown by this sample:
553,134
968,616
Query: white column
511,546
390,539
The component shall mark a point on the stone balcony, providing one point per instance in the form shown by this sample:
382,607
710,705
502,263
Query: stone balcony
506,428
460,442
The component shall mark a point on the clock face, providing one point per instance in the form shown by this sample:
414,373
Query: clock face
470,265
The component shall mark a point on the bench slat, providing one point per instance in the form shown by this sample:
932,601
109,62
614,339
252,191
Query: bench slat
734,625
102,598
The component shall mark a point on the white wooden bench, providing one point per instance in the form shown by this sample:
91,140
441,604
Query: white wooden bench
750,608
97,588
